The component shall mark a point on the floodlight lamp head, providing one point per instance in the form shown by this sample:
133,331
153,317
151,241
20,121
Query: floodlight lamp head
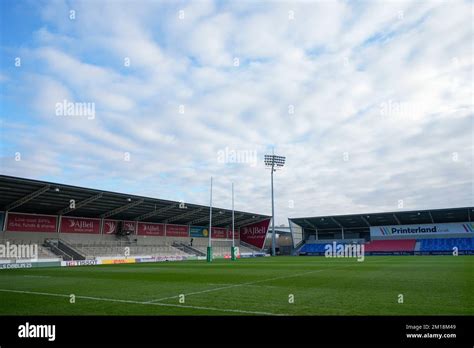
274,161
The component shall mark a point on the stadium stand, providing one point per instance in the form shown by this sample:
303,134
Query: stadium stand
99,223
407,245
312,248
419,232
447,244
43,252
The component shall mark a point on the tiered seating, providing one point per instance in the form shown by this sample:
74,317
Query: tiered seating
43,253
118,249
219,247
244,249
312,248
407,245
447,244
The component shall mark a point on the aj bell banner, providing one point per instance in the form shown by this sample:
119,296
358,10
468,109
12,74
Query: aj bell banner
255,234
399,230
79,225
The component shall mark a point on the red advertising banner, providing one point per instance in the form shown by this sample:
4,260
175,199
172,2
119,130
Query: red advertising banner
80,225
31,223
177,231
219,232
110,226
129,226
255,234
236,234
150,229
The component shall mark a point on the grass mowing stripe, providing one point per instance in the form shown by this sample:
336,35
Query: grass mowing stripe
234,286
431,285
142,303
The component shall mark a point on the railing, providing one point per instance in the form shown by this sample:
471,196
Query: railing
51,245
188,249
250,246
63,245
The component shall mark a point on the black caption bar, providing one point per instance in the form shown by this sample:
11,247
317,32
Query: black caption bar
229,331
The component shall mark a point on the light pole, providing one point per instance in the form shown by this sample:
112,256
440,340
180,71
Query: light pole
232,252
209,246
274,162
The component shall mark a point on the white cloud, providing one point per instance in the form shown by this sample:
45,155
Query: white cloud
383,82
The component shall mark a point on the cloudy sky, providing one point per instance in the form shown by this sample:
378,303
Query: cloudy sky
370,101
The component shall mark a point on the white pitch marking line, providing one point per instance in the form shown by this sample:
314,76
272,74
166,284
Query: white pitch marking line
142,303
233,286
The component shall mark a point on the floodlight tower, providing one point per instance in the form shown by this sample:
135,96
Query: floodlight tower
274,162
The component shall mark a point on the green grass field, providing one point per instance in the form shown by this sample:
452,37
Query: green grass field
430,285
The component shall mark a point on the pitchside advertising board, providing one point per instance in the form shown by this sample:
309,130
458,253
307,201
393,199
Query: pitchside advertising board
421,230
255,234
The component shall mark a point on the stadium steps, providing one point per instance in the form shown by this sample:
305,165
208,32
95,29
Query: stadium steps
299,246
69,249
250,246
188,249
52,246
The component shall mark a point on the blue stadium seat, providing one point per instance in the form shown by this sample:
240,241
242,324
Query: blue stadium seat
312,248
447,244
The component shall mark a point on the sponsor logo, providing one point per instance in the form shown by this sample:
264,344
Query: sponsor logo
423,229
152,228
37,331
414,230
252,231
129,226
81,263
81,224
16,265
110,227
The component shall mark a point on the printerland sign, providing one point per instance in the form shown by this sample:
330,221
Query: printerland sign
424,229
255,234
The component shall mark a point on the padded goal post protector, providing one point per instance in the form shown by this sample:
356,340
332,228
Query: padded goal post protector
209,254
